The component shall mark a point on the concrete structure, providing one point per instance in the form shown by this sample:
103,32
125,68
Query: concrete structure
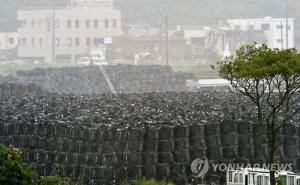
207,44
8,40
276,30
67,33
91,3
198,40
148,49
8,45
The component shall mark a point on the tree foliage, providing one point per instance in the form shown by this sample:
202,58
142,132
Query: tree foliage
12,169
14,172
144,181
54,180
271,79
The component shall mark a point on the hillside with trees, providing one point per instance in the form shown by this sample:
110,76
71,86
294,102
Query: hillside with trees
8,10
180,12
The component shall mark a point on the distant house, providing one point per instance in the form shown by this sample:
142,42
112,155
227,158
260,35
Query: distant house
8,40
297,43
226,39
66,34
8,45
235,38
150,48
278,32
198,40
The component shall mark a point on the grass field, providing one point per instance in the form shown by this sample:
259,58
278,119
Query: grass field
202,71
6,69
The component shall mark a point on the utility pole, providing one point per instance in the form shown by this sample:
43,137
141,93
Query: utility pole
53,34
287,24
167,40
281,34
160,40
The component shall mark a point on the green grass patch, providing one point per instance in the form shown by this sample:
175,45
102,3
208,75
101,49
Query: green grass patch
144,181
201,71
6,69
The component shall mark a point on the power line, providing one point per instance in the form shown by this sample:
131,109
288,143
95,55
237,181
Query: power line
53,34
287,24
167,40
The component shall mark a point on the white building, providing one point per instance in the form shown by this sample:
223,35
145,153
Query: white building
279,32
91,3
8,40
68,33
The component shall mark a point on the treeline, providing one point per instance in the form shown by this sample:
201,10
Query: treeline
180,12
198,11
8,10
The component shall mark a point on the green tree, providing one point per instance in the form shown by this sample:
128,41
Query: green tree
270,78
144,181
55,180
14,172
12,169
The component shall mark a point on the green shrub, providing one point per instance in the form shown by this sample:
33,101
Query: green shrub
12,169
144,181
14,172
55,180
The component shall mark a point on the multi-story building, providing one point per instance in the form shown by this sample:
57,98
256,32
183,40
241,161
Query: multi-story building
8,45
67,33
8,40
278,32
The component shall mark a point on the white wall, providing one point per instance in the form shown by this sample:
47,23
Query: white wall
275,35
36,26
8,40
92,3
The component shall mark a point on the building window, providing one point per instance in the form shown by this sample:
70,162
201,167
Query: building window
106,23
69,23
57,42
266,181
11,41
69,42
236,178
289,27
279,40
77,42
33,24
32,42
24,42
251,27
40,24
241,178
48,25
95,42
237,27
230,176
96,23
22,23
260,180
88,42
279,26
87,24
114,23
56,23
265,27
41,42
77,23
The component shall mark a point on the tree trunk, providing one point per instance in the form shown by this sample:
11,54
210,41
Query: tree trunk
272,178
272,147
